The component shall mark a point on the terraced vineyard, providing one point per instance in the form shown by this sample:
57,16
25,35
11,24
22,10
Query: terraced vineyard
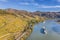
12,25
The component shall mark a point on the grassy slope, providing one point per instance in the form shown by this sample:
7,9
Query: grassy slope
10,24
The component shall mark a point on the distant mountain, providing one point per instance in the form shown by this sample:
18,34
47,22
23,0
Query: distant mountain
43,14
48,14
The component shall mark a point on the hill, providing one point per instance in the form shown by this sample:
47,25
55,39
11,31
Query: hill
17,24
48,14
32,14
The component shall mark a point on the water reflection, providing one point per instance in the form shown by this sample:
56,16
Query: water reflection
53,30
56,29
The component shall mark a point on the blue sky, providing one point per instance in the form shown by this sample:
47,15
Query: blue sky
31,5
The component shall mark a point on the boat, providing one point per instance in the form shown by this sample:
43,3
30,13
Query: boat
43,29
44,22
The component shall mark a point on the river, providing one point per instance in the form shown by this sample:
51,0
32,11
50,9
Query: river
53,30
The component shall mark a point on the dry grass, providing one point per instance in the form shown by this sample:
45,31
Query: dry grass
10,24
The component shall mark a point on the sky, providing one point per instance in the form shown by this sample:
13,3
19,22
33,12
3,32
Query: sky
31,5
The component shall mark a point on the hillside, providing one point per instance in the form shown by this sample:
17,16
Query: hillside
15,23
48,14
32,14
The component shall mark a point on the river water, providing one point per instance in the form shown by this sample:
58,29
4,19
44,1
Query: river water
53,31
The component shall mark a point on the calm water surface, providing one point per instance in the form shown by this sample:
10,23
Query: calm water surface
53,29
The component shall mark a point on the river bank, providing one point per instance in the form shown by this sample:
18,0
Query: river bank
53,30
58,21
15,26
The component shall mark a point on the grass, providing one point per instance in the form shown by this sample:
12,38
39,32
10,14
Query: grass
10,24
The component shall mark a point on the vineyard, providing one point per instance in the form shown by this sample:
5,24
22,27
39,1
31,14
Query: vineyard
12,24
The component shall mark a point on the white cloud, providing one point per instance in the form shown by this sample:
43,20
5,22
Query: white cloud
35,4
58,0
3,0
24,3
27,3
29,0
44,6
33,0
26,0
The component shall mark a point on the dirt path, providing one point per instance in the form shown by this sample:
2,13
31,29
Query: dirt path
5,35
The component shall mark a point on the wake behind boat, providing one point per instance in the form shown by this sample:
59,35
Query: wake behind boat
43,29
